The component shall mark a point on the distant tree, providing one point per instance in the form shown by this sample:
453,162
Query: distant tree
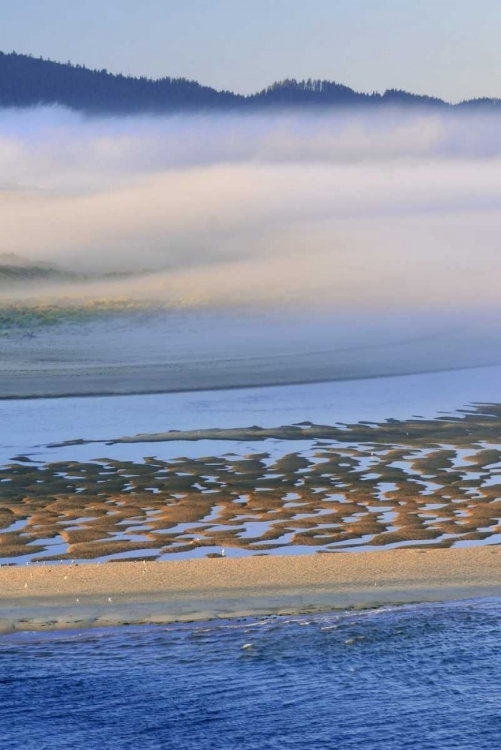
26,81
396,96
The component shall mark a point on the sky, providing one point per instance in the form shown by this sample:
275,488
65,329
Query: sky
446,48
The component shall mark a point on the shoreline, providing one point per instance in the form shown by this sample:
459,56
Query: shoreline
149,380
52,597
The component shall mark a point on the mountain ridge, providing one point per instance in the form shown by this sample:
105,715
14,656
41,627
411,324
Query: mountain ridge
26,81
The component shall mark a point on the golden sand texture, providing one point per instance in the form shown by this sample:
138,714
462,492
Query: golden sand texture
427,483
339,496
35,597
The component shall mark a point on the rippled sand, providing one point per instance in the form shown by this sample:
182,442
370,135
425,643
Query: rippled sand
363,486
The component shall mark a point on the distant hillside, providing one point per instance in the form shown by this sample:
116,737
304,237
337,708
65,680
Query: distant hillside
13,268
314,92
26,81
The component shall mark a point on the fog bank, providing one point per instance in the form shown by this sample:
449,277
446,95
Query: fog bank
377,210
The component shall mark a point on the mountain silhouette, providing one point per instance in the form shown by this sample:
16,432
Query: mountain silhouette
26,81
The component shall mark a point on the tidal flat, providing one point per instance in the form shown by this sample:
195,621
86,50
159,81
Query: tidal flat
169,490
351,487
109,348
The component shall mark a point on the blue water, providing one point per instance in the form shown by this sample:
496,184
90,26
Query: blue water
426,676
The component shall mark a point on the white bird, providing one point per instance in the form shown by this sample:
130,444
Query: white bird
223,553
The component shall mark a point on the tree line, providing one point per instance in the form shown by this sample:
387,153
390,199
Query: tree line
28,81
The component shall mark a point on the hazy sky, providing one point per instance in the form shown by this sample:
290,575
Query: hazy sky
448,48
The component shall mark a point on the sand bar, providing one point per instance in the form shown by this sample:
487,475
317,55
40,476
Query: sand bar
83,364
122,380
62,596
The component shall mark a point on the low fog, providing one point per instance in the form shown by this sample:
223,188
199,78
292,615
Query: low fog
363,209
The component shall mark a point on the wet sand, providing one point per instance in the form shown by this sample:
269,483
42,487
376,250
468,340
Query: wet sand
52,597
120,380
418,482
59,351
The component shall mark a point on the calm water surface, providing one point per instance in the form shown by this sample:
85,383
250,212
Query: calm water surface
426,676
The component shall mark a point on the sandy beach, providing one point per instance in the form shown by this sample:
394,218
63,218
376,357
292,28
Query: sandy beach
54,597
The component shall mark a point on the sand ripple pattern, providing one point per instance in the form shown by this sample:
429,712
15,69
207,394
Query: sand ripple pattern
359,487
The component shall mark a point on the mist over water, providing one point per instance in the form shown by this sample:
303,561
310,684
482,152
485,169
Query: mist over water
391,218
368,208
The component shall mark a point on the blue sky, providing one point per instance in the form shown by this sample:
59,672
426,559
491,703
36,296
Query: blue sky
448,48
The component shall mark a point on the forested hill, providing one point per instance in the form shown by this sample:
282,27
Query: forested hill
27,81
